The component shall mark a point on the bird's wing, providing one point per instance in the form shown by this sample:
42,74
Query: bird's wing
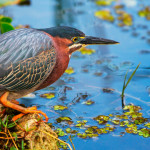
27,57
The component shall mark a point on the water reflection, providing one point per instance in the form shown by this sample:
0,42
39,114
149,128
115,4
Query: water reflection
68,13
63,13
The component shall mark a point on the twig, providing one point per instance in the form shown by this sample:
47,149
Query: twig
57,139
8,138
12,139
71,142
19,127
4,137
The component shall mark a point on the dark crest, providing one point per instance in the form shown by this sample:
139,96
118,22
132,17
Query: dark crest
63,32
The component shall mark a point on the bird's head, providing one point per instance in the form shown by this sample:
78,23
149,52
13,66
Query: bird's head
74,39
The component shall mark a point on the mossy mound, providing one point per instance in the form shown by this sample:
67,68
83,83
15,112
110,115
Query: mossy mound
36,134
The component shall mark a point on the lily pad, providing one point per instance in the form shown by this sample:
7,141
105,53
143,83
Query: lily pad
92,129
70,70
140,120
60,132
102,119
86,51
129,130
60,107
105,15
119,7
48,95
81,123
104,2
145,12
116,122
144,132
147,125
66,119
125,19
82,135
132,108
89,102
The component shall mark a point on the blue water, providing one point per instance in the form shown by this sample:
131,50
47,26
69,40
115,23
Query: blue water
80,14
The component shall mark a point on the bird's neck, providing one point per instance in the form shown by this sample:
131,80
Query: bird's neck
62,61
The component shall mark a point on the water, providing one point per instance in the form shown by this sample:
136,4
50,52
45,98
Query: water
115,61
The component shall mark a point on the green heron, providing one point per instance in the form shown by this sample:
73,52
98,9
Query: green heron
32,59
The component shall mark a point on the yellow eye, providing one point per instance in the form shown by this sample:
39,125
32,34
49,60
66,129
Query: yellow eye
74,39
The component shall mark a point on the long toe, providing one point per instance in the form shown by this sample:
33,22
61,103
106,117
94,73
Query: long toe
17,117
29,110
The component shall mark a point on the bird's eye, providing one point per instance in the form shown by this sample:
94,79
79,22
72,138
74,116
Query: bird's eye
74,39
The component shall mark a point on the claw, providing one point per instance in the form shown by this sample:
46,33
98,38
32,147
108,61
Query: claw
6,103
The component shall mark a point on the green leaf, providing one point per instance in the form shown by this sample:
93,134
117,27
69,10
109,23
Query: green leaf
125,84
132,75
22,144
11,125
13,148
60,132
5,27
68,130
14,134
5,19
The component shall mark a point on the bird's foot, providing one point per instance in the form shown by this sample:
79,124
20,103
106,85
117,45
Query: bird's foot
14,101
22,114
29,110
6,103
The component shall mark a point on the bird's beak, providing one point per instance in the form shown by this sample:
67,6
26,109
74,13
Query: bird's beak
89,40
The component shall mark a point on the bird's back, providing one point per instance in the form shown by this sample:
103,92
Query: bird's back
27,56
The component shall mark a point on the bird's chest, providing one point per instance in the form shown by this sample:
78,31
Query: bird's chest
61,65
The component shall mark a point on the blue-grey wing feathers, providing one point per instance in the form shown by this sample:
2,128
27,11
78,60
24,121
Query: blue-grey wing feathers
27,57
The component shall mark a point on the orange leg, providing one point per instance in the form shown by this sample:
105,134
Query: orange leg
14,101
6,103
20,115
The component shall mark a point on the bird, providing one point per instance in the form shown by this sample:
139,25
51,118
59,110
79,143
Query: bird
32,59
